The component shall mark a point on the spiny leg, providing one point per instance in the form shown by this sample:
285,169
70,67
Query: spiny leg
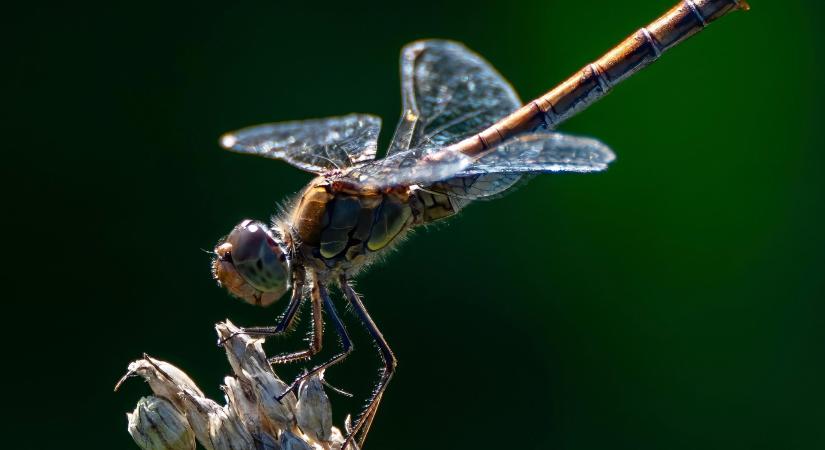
346,342
284,323
365,421
317,336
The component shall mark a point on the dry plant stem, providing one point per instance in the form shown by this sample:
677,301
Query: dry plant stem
252,418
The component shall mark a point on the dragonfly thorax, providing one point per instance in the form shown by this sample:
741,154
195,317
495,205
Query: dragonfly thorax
340,229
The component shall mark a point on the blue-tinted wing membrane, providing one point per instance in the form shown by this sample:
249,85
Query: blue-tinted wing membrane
460,175
479,186
448,93
314,145
408,168
540,152
544,152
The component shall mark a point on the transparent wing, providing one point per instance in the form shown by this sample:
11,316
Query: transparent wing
407,168
314,145
480,186
540,152
462,176
448,93
543,152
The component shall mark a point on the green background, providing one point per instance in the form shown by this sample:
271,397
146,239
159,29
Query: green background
673,302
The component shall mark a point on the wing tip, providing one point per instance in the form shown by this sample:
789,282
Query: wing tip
412,49
228,141
609,156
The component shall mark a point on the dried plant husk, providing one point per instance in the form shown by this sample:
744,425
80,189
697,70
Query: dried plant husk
251,417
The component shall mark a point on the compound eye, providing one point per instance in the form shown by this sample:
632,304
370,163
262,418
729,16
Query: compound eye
247,239
257,256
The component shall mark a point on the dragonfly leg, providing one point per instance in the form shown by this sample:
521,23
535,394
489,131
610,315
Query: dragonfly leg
365,421
284,323
316,336
346,342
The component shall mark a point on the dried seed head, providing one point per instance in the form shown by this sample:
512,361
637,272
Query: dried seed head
314,411
241,400
157,425
227,433
266,441
267,388
249,362
290,441
198,409
164,379
337,438
241,349
216,427
252,419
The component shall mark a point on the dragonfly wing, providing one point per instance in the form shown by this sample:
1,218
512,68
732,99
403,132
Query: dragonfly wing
314,145
408,168
479,186
534,153
473,177
448,93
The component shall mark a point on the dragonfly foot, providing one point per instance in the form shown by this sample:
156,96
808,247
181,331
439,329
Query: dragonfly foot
223,341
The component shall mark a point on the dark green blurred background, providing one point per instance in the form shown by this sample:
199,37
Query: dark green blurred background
673,302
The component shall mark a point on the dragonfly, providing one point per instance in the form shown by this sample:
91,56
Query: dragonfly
463,136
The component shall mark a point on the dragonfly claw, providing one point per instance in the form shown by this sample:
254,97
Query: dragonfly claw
223,341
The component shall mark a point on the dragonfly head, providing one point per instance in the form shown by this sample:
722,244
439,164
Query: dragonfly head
252,263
